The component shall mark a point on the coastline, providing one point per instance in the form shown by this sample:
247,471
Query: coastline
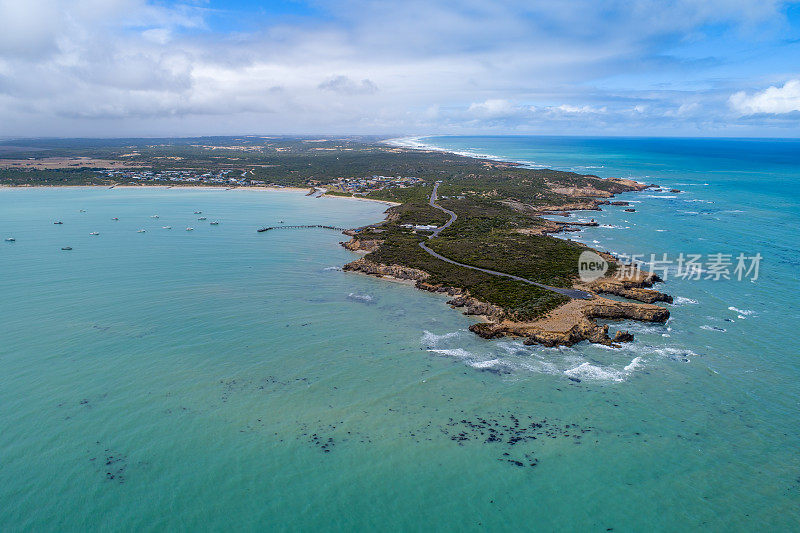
553,227
570,322
219,332
386,202
303,190
412,143
555,321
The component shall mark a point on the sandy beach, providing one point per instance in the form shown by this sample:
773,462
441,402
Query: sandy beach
303,190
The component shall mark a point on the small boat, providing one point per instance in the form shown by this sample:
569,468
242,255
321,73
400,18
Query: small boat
58,222
94,233
115,218
166,227
202,218
66,247
214,222
142,231
153,216
189,229
198,212
280,221
11,239
83,210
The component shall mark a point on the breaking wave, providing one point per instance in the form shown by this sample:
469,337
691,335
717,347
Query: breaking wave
633,365
364,298
673,353
459,353
512,357
485,364
644,328
431,339
592,372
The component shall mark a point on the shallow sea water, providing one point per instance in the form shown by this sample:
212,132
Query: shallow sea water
227,379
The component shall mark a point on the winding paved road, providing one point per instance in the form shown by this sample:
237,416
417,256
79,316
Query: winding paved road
433,203
572,293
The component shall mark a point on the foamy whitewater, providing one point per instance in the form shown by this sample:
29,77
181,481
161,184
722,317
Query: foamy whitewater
228,379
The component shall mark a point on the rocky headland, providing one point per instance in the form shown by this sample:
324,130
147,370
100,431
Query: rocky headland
575,320
568,324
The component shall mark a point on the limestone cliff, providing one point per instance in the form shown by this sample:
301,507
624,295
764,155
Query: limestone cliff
362,245
380,270
566,325
574,322
632,283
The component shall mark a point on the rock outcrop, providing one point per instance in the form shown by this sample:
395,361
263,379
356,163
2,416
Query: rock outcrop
630,185
574,322
473,306
623,336
586,198
362,245
389,271
634,284
547,227
634,293
588,204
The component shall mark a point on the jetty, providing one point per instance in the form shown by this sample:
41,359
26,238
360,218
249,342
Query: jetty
323,226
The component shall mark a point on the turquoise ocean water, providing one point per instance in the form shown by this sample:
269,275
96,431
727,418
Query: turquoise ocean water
223,379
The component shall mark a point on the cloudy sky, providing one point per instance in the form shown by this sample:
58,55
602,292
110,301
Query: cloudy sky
613,67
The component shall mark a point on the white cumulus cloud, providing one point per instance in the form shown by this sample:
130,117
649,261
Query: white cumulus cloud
773,100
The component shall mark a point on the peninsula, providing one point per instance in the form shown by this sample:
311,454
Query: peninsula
470,228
